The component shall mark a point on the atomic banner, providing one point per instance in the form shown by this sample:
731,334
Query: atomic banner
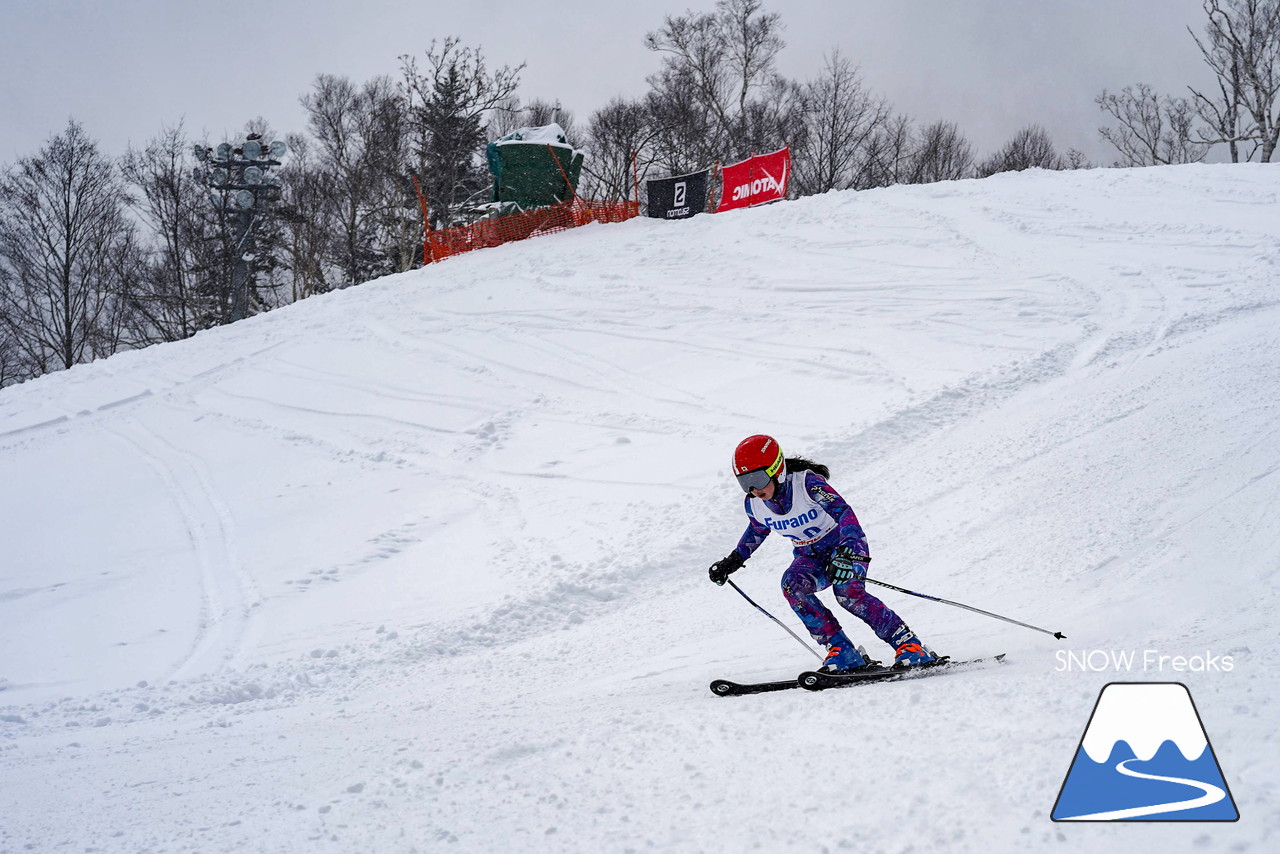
756,180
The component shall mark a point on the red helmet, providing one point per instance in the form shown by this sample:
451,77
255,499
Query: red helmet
758,460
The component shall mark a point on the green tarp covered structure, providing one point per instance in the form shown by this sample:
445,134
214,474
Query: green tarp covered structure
525,170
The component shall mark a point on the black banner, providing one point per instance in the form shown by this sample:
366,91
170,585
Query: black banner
679,197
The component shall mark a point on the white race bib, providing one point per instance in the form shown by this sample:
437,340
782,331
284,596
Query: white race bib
805,523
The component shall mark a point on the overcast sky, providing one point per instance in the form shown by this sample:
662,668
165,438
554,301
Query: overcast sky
126,68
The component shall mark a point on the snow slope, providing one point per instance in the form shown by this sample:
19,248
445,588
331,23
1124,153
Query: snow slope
420,565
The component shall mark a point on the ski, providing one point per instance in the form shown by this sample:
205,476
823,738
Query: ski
815,681
725,688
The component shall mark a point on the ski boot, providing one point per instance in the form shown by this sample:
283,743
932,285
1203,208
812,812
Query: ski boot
842,655
910,652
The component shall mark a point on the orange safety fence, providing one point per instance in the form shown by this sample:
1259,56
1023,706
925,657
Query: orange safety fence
518,226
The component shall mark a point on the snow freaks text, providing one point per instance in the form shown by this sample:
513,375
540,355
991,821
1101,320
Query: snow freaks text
1147,661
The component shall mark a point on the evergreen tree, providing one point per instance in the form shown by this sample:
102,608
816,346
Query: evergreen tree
448,105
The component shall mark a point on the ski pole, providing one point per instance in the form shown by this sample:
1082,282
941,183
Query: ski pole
775,619
1058,635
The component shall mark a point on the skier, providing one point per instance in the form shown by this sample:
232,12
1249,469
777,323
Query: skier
791,496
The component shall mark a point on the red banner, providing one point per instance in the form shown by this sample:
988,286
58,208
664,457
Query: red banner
756,180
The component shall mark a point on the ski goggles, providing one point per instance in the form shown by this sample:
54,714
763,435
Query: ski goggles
757,479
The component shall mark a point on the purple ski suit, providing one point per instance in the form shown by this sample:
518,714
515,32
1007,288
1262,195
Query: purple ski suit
817,522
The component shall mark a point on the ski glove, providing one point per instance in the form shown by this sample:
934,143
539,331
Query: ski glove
847,564
721,569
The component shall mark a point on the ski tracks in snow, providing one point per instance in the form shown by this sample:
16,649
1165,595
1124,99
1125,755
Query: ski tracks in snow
229,592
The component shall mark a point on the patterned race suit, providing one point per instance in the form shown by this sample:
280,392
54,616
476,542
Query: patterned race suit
817,520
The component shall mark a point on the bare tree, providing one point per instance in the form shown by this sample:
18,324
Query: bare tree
166,297
396,213
539,113
840,118
613,133
942,154
14,365
1242,47
683,140
889,155
774,119
304,205
359,169
1030,148
127,269
506,116
754,40
1075,159
62,226
511,114
1221,114
1152,130
713,64
342,175
695,70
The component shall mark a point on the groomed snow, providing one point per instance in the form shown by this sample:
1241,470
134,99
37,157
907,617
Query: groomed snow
421,565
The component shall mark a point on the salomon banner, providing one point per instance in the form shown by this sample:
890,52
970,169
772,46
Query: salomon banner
756,180
679,197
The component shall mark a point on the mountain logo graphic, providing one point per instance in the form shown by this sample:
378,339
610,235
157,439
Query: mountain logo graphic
1145,756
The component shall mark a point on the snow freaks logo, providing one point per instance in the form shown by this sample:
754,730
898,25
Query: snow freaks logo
1149,660
1145,756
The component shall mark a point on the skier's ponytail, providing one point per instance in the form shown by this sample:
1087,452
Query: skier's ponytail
802,464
